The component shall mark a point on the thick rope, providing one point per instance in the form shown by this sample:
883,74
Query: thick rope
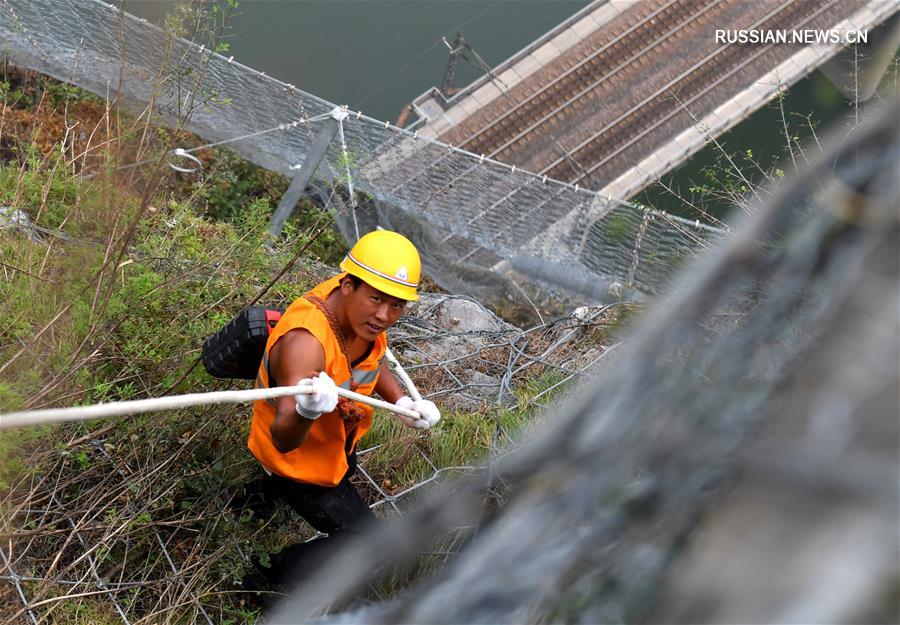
400,372
175,402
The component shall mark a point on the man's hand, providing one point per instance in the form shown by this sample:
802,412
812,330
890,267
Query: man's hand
324,399
428,413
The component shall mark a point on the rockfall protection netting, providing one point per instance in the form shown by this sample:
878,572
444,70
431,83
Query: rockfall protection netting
789,334
147,522
738,463
478,222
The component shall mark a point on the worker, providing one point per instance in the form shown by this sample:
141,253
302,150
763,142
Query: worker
306,444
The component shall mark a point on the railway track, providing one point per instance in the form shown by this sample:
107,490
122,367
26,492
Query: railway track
700,79
695,22
610,145
656,25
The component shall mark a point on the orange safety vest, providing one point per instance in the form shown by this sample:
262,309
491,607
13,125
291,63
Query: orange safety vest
322,458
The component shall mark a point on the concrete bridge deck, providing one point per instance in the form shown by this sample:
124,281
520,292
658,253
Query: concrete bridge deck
625,91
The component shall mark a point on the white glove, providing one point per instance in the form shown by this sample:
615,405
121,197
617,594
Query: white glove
428,412
324,399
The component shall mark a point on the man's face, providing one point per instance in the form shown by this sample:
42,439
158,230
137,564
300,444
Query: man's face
369,310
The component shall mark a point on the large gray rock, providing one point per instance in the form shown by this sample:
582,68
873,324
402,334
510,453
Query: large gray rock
14,218
459,314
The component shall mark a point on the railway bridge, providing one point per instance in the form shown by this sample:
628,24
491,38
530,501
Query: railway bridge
625,91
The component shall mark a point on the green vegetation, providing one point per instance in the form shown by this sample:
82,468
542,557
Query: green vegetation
109,298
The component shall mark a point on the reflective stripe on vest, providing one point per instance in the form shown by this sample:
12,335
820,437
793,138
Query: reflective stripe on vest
363,376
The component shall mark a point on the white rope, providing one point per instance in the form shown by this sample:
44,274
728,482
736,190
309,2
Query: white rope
404,377
174,402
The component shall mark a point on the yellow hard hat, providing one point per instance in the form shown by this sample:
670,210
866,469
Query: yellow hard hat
386,261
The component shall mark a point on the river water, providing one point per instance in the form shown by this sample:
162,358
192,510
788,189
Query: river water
375,55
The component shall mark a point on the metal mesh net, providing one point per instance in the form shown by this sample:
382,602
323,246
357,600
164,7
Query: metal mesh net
748,425
791,331
114,518
738,463
475,220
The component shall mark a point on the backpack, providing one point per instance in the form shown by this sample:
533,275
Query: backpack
236,350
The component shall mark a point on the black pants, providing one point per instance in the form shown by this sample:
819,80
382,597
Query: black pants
337,511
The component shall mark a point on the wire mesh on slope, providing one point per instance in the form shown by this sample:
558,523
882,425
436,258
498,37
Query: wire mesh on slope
758,403
474,219
143,523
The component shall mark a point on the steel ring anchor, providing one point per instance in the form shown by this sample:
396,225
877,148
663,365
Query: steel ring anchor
181,152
